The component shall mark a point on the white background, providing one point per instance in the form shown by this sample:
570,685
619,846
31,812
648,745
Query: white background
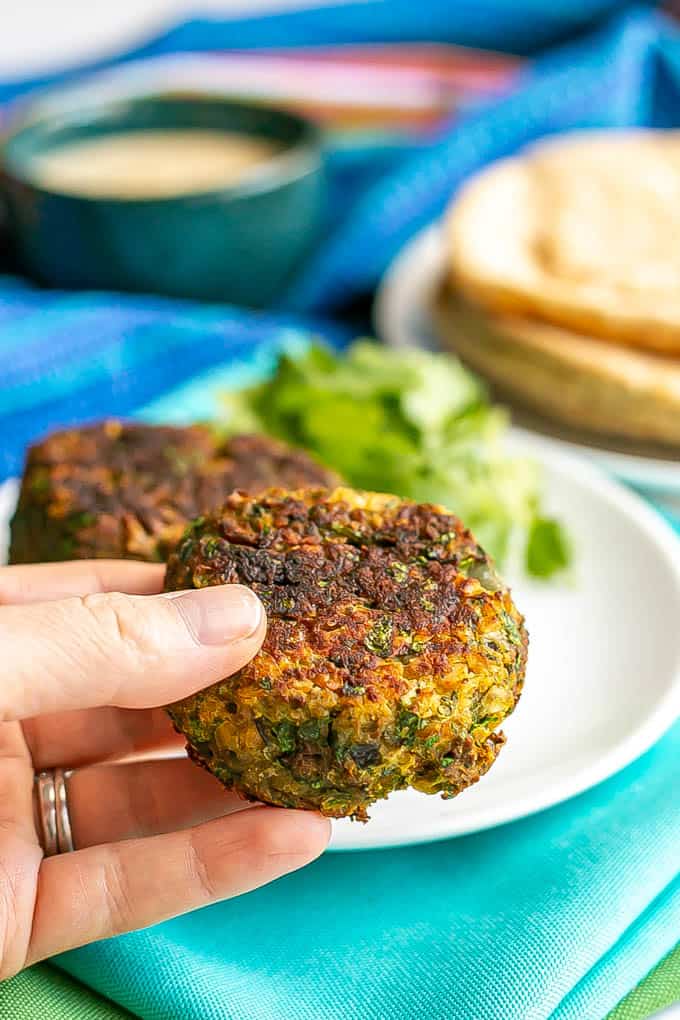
37,35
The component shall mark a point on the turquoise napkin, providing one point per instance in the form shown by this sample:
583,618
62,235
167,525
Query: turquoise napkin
557,916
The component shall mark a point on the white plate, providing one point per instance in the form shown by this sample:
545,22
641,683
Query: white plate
604,665
402,318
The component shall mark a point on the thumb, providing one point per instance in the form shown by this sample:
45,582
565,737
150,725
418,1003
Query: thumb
132,651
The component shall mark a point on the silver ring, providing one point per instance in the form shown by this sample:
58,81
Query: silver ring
54,821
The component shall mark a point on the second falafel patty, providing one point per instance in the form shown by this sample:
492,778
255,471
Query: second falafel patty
392,654
124,489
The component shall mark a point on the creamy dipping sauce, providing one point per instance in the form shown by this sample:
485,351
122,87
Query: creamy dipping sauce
153,164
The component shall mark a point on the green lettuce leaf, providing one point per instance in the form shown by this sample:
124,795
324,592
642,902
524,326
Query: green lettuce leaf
413,423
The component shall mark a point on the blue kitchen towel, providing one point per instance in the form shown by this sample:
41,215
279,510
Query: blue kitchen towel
67,358
556,916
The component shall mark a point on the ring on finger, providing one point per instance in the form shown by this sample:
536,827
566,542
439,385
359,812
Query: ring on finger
54,821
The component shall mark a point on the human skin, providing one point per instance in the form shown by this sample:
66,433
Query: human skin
90,648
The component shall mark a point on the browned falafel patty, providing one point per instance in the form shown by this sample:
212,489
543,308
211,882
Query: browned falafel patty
392,654
127,490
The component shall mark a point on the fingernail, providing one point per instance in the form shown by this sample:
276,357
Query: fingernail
220,615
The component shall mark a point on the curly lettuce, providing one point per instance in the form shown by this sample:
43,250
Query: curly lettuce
414,423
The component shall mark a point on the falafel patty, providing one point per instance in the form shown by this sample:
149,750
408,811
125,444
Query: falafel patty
127,490
393,650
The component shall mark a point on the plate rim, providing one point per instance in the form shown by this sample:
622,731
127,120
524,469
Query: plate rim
661,717
400,299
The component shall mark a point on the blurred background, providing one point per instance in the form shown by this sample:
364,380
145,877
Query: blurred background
76,30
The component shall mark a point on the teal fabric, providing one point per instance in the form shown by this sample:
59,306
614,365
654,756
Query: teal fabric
556,916
66,358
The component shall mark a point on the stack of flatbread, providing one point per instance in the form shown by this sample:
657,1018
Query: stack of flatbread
563,284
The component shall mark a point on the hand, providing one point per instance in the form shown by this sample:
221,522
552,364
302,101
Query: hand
82,672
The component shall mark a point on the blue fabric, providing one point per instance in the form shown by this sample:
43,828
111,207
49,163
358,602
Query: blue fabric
557,916
521,26
67,358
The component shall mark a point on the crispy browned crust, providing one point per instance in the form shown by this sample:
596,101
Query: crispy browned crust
392,654
128,490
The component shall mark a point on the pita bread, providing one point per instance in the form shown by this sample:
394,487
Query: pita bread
574,379
582,232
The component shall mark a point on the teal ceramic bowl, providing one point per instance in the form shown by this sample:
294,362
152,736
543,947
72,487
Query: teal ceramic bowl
239,244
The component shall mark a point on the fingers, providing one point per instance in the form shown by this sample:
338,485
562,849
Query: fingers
108,803
106,890
129,651
16,786
98,734
43,582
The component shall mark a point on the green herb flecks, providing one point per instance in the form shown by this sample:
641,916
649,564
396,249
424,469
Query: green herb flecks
398,570
407,727
314,731
78,522
210,547
379,638
285,733
511,628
